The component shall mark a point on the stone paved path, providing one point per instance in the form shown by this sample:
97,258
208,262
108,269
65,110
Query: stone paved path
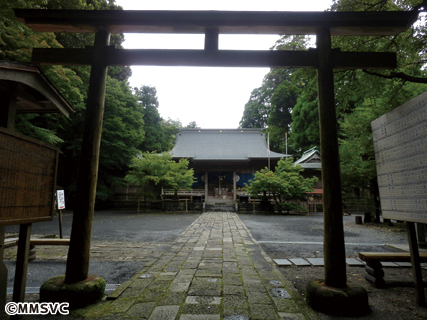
214,270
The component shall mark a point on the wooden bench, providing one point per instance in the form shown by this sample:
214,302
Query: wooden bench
41,242
374,268
50,242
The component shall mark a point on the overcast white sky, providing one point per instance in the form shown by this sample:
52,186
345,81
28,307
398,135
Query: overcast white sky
213,97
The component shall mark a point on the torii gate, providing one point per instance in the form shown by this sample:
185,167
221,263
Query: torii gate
213,23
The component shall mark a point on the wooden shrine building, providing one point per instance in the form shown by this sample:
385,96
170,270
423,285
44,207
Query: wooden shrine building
224,159
310,162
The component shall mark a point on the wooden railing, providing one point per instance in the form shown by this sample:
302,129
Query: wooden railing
184,191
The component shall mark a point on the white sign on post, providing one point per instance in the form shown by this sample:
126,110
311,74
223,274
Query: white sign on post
60,196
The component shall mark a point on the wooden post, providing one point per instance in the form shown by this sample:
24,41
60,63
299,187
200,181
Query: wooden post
416,266
8,107
206,186
3,271
79,251
7,120
22,262
421,235
60,223
234,187
333,245
211,39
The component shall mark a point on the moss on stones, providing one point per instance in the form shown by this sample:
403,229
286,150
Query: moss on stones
78,295
349,301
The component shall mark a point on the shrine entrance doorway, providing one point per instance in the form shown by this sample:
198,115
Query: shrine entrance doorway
220,186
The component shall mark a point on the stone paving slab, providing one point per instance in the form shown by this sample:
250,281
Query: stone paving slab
146,252
354,262
316,261
404,264
300,262
283,262
389,264
215,270
319,262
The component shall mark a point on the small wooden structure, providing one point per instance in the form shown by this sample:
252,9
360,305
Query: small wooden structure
27,166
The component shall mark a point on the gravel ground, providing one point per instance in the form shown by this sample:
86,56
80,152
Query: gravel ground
397,301
293,236
297,236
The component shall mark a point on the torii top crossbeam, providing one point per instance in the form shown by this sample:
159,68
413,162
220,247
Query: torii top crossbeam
213,23
227,22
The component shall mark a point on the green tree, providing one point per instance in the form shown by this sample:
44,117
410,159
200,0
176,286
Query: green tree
271,105
179,176
305,117
157,138
257,109
358,169
192,125
284,184
364,95
150,171
286,87
123,132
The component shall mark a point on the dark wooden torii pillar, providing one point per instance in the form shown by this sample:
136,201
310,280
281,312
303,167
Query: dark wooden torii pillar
87,177
212,23
333,238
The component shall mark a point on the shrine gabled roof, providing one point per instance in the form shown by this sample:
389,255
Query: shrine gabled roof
222,145
310,159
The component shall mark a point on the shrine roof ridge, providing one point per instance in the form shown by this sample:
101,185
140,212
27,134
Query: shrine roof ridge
213,130
222,145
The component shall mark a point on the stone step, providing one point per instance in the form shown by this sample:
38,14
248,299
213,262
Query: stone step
315,262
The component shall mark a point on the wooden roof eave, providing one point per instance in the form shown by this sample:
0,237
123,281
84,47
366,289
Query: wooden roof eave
209,160
206,160
227,22
35,93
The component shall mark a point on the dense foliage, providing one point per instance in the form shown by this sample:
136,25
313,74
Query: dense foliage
283,184
151,172
360,95
132,123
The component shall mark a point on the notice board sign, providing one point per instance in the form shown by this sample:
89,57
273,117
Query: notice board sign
60,199
28,169
400,143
